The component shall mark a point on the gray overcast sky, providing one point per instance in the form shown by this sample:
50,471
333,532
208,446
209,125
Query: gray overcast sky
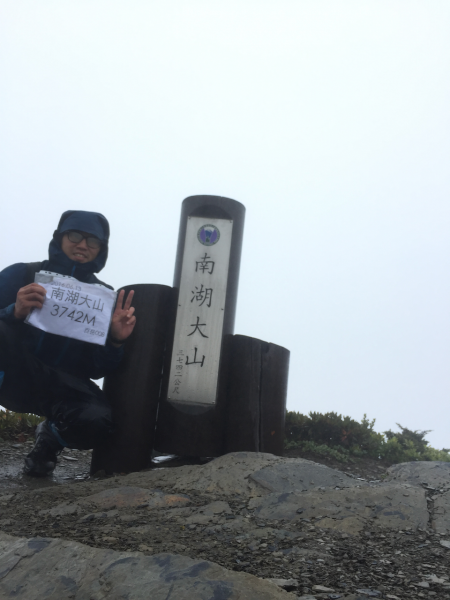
329,121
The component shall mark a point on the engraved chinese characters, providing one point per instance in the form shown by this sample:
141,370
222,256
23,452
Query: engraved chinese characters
195,358
74,309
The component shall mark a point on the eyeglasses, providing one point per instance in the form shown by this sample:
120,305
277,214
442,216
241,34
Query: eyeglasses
76,237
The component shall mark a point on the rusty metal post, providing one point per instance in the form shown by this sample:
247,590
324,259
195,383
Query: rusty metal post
133,388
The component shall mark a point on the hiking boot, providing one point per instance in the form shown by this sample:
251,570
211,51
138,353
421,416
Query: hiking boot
41,461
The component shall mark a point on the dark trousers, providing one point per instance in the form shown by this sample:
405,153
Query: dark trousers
77,407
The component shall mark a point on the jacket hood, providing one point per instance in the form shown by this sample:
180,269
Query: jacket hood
82,220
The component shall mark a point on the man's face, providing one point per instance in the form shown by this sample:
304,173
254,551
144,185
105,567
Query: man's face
79,251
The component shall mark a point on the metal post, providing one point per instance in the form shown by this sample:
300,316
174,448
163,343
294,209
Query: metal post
243,397
133,388
193,401
257,390
274,383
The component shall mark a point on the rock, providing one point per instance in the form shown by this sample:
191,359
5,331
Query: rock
92,516
254,546
226,475
356,597
215,508
349,510
321,588
180,547
432,474
199,519
369,593
207,513
296,474
62,569
248,473
442,513
62,509
128,518
126,497
287,584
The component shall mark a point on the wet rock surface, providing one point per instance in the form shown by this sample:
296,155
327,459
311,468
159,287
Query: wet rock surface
73,465
430,475
327,541
286,476
350,510
49,568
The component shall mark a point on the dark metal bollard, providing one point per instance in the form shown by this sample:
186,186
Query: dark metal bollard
243,404
187,427
133,389
256,406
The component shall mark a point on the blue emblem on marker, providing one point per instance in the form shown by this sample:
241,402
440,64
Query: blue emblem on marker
208,235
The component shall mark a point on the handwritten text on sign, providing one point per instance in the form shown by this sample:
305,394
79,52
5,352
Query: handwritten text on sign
74,309
195,361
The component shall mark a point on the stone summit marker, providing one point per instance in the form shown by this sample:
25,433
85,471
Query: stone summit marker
195,362
187,385
193,405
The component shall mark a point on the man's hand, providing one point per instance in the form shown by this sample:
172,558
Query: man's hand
123,320
29,297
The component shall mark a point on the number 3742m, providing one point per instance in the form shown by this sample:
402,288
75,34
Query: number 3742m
78,316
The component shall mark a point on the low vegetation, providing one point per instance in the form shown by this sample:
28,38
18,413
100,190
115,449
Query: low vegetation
17,426
328,434
341,437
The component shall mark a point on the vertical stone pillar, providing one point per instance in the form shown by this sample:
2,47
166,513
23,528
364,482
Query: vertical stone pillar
191,418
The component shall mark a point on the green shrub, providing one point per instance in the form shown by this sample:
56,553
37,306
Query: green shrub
334,430
17,425
343,436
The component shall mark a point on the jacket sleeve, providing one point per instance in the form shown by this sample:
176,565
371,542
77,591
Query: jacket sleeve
11,280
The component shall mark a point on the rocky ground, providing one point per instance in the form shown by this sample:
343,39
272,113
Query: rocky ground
318,532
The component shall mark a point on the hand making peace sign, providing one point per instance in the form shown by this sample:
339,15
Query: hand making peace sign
123,319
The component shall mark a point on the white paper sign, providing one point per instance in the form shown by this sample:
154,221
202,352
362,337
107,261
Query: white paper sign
74,309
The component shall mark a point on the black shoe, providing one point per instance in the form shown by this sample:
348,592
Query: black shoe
41,461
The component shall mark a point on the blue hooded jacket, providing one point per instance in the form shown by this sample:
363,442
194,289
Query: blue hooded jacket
88,361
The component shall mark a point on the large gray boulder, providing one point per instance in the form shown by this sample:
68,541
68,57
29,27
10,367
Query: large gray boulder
388,505
429,474
33,569
434,478
297,474
243,473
